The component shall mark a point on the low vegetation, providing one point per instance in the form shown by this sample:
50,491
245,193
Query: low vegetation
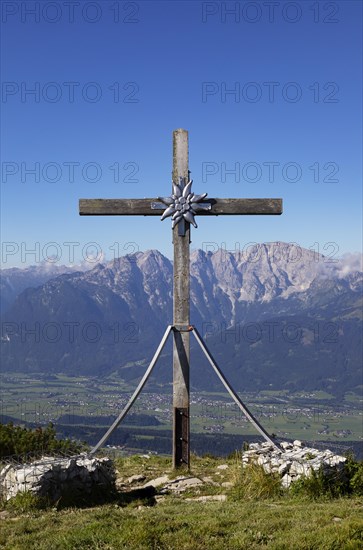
180,525
252,483
256,514
348,482
25,442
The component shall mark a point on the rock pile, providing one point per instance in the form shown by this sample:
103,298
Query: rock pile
55,477
293,461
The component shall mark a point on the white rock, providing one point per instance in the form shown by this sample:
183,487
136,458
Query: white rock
137,478
157,481
210,481
5,470
227,484
51,477
284,468
296,468
335,460
291,461
182,484
286,481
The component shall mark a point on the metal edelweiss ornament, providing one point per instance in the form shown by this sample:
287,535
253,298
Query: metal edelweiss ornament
183,204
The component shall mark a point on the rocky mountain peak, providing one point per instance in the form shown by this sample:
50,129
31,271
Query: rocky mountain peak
129,301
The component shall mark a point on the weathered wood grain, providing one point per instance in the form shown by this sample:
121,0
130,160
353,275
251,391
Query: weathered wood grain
244,207
181,345
142,207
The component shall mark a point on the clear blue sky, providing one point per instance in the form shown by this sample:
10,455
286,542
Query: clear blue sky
110,87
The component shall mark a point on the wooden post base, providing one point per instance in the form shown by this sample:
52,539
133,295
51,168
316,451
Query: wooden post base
181,454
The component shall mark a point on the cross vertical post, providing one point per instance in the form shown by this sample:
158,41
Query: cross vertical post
181,316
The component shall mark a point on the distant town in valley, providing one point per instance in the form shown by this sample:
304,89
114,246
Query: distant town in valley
84,407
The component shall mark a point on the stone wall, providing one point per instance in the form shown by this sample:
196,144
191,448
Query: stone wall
293,461
56,477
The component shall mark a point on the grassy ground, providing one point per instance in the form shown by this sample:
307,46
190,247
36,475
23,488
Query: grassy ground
173,523
180,525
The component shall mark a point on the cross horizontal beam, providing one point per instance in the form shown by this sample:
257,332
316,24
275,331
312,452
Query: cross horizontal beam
143,207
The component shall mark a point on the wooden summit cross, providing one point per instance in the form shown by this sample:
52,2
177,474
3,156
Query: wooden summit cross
182,206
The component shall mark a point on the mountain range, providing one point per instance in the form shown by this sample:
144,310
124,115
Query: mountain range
14,280
281,317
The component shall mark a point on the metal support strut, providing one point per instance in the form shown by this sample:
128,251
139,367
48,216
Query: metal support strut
178,420
126,409
230,390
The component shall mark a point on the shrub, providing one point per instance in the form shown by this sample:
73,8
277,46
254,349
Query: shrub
322,484
16,440
354,471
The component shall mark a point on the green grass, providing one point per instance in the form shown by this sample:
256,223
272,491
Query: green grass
181,525
257,514
252,483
